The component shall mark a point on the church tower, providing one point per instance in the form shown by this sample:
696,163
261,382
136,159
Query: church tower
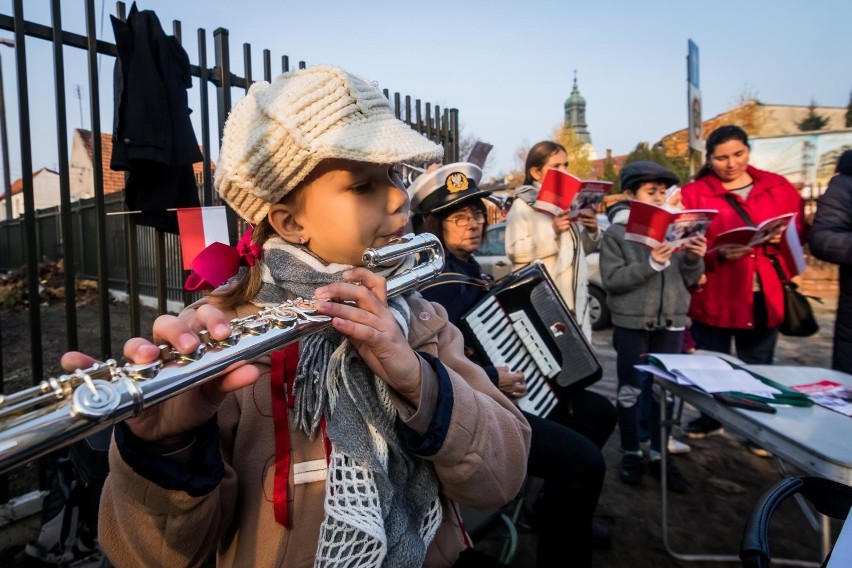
575,114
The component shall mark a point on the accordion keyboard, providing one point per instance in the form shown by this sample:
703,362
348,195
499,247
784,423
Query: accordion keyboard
507,339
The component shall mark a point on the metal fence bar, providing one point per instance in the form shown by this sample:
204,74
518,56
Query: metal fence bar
98,177
31,243
204,77
64,180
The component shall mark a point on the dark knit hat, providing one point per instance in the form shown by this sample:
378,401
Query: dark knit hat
635,174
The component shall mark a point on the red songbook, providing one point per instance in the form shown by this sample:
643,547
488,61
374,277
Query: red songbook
753,236
561,192
558,190
652,225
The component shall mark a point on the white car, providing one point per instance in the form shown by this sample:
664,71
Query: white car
492,257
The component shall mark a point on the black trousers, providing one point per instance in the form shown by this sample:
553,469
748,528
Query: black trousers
565,451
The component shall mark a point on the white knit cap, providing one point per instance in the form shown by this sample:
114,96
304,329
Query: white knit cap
280,132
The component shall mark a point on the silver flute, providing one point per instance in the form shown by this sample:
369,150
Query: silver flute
64,409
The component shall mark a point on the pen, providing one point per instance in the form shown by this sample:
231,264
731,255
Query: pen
746,403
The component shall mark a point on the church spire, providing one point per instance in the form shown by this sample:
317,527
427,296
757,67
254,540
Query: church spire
575,113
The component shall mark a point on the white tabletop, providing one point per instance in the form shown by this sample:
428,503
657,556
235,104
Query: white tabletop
815,439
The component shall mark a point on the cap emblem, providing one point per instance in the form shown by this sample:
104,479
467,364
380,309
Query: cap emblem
457,182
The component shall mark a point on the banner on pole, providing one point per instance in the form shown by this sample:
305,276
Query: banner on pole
696,136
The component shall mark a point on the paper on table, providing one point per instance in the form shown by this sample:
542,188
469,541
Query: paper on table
691,361
732,380
654,370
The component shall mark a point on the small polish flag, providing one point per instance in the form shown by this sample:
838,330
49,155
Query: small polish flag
199,228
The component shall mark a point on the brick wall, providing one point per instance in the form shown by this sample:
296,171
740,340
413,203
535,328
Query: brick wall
819,278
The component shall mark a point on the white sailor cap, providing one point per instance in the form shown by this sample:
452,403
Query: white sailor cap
449,185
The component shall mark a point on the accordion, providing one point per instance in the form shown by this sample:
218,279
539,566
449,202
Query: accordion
524,324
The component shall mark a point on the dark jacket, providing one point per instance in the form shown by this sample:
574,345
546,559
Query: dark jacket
153,138
831,240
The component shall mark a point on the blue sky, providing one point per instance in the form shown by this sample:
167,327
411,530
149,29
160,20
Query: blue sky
506,65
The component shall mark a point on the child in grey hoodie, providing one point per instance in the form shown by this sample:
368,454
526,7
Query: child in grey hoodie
648,296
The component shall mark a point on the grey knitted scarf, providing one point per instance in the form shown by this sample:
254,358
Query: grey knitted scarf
333,382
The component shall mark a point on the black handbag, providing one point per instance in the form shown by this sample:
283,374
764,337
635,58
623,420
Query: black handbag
799,319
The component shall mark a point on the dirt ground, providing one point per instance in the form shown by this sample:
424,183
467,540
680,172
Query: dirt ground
725,478
725,481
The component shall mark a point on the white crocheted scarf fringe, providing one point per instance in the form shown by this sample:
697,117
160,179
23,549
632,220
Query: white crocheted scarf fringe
381,503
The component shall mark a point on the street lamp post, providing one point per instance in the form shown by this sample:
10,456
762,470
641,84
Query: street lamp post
4,139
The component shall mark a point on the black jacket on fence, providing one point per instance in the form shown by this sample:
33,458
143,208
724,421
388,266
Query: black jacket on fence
153,138
831,240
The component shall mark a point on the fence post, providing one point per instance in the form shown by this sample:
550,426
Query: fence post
29,204
98,177
64,180
223,96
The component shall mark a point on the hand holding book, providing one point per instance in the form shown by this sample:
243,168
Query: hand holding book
736,243
652,225
564,194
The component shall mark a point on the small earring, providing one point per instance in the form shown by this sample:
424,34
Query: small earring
301,240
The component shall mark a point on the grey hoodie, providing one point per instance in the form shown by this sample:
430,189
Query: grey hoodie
639,296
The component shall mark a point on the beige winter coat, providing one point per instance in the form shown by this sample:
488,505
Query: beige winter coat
482,464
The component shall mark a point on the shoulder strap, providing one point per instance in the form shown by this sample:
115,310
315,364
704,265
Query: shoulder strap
457,278
774,258
739,209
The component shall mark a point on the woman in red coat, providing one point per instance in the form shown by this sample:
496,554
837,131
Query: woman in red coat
742,298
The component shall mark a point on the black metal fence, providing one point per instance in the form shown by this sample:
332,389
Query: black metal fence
85,254
111,248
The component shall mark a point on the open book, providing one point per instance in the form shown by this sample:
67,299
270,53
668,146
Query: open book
562,191
652,225
753,236
714,374
829,394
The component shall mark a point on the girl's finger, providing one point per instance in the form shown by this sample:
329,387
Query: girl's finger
369,280
74,360
169,329
140,350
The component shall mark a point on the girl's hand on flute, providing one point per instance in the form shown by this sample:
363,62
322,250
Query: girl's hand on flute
363,316
171,420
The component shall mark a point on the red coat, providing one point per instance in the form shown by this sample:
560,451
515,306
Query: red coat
726,299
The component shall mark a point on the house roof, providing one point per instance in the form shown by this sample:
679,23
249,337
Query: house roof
759,119
18,184
114,180
598,165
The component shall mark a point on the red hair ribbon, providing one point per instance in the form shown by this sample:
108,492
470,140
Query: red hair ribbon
249,252
219,262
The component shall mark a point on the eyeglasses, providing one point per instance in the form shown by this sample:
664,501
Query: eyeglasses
464,220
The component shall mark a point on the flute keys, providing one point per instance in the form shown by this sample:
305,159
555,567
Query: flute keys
99,400
229,341
143,371
256,327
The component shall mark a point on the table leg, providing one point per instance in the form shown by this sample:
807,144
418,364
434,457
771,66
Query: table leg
664,426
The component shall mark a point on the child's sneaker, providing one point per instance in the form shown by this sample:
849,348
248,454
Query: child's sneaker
702,427
676,447
632,468
757,450
645,446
